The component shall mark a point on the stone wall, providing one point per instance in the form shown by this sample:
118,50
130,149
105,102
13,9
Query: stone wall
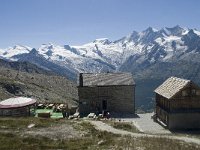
120,99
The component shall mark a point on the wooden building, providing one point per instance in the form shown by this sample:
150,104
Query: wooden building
113,92
17,106
178,104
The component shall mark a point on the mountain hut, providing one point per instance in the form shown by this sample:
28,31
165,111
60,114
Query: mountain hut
110,92
178,104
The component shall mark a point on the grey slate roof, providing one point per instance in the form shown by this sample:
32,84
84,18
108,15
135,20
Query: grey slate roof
171,87
107,79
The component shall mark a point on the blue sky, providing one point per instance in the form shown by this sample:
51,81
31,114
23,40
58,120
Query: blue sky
74,22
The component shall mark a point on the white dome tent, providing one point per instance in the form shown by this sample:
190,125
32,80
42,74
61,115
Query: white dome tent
17,106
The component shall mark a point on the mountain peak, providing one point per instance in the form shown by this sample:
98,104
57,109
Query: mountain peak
150,29
48,46
193,33
175,31
132,37
177,27
133,33
102,41
21,47
196,32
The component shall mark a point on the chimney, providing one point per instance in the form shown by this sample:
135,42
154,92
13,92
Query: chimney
81,79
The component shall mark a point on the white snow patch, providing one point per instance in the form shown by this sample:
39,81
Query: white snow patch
197,32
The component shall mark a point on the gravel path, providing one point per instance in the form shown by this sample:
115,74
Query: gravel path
145,124
105,127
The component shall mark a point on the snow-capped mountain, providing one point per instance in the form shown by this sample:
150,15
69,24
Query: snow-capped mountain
134,52
13,51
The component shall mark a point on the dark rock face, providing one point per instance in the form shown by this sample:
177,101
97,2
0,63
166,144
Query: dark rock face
13,89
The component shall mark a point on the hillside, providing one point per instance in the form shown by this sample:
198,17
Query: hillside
32,81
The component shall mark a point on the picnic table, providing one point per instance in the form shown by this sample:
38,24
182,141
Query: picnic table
44,114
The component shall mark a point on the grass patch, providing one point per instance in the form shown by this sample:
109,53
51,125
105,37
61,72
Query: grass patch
123,126
92,139
11,141
147,143
101,139
20,123
113,141
89,141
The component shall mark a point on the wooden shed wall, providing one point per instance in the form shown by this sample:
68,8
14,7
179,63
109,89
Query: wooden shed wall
180,102
184,120
188,102
23,111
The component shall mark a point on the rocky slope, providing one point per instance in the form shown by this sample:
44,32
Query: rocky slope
35,82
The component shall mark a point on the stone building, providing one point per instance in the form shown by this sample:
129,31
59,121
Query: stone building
113,92
178,104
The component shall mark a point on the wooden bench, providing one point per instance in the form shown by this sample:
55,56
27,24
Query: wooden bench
44,115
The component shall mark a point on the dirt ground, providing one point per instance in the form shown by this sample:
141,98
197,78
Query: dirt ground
62,131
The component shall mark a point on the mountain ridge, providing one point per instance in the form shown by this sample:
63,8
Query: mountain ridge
103,55
132,53
150,55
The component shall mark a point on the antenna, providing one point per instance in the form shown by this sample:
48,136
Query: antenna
18,71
